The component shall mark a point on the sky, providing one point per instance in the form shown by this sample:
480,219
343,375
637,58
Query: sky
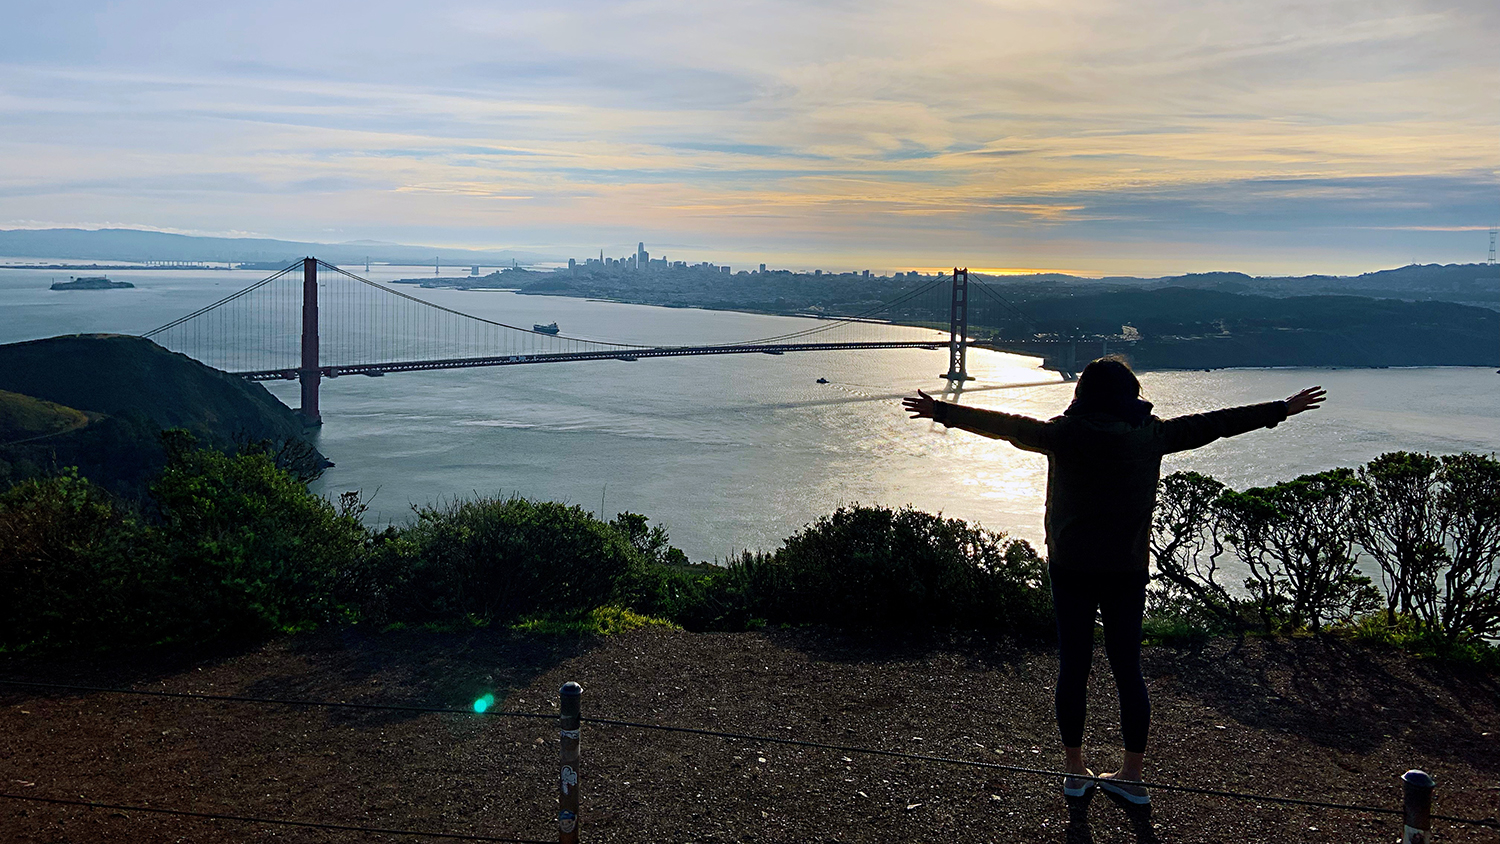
1145,137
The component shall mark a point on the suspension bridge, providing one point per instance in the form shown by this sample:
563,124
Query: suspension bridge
326,322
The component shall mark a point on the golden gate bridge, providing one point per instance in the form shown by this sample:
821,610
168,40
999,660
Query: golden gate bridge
326,322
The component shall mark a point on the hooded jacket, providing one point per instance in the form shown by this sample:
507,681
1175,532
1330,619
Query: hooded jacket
1102,471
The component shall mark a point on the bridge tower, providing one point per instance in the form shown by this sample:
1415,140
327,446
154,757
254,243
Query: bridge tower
309,374
958,328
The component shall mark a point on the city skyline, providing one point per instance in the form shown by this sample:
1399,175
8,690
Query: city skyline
1092,138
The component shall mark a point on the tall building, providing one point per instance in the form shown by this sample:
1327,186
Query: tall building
762,267
642,259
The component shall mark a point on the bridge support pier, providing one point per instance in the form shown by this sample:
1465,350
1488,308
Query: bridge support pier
958,329
309,375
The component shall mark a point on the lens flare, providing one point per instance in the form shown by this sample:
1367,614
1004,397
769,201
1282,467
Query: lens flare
484,703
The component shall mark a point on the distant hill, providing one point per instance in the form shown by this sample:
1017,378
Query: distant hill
1185,328
136,245
98,401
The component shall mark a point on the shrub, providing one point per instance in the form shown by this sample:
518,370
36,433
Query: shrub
249,549
872,567
1297,540
1398,522
74,564
1186,543
600,621
498,559
1466,606
697,596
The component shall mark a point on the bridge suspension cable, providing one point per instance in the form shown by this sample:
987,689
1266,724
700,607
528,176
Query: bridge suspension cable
362,326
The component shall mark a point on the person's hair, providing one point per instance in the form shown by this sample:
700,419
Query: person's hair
1107,382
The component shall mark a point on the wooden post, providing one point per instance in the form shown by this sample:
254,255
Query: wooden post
567,798
1417,788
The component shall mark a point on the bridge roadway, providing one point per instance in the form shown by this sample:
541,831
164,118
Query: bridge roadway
1048,350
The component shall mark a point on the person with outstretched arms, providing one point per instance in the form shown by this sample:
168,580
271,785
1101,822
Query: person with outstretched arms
1103,464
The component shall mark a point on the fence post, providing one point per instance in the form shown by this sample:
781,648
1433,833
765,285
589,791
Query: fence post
1417,788
567,798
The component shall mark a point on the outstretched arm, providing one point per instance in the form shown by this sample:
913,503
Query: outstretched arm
1199,429
1021,431
1308,399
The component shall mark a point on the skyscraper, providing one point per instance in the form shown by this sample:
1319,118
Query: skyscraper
642,259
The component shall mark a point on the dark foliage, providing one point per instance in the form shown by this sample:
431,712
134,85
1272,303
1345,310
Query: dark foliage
497,559
74,564
873,567
249,549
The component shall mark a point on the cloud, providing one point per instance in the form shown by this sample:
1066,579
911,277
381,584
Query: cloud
877,125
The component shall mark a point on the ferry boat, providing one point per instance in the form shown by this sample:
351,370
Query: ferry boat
549,328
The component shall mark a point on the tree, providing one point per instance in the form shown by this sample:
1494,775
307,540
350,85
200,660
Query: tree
1297,540
1397,519
1186,545
1469,497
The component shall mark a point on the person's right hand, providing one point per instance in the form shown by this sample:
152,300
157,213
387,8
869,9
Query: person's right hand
1308,399
921,407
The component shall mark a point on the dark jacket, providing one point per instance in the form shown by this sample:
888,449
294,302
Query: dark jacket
1102,472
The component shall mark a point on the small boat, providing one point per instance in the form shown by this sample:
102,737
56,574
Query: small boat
549,328
822,380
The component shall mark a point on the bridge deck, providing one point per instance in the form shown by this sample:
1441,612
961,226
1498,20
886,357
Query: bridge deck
1045,349
565,357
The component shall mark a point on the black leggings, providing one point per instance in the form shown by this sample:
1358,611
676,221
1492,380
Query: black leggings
1120,599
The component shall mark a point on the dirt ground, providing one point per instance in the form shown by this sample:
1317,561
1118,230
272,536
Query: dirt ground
1305,718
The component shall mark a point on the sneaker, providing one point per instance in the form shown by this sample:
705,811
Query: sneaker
1131,791
1073,787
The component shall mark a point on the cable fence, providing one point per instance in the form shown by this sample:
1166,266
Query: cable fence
1417,785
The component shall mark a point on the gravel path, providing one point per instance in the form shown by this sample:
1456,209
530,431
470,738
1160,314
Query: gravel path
1299,718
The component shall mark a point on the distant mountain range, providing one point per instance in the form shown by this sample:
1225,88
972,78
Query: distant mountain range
135,245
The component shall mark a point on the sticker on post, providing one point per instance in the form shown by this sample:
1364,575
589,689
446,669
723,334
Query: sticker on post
566,822
569,778
572,734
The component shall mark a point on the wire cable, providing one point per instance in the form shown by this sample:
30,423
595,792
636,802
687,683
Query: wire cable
1019,769
226,300
393,707
216,816
443,309
985,289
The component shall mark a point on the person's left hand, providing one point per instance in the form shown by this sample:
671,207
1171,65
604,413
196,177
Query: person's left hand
921,407
1308,399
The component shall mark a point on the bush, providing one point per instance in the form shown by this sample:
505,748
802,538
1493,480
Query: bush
74,565
1398,522
249,549
1466,605
1186,543
872,567
600,621
698,596
497,559
1297,539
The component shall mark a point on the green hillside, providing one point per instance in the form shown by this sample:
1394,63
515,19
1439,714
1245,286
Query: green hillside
26,418
132,389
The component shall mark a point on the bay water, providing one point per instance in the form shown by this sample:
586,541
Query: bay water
737,452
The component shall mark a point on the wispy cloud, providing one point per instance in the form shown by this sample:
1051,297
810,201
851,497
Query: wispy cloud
1072,134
